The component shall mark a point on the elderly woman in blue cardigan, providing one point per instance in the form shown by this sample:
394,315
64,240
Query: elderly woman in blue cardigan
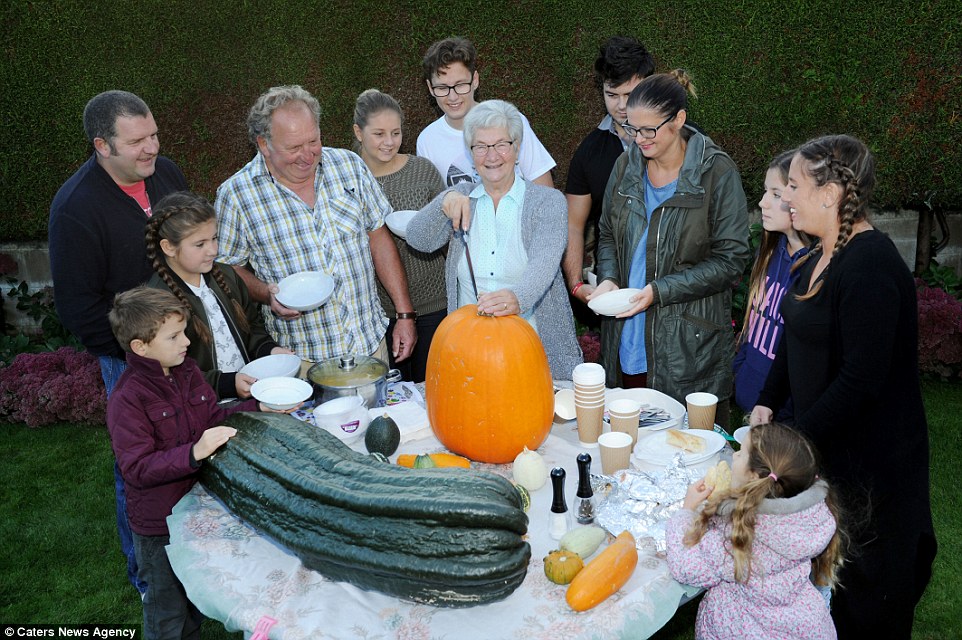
515,230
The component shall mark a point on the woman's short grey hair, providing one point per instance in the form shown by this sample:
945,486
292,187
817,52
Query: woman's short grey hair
493,114
259,118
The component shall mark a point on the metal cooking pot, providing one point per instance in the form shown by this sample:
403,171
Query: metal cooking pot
350,375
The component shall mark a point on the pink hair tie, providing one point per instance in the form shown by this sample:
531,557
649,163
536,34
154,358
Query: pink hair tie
773,476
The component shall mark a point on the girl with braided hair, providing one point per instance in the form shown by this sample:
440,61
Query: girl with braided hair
755,546
226,329
849,360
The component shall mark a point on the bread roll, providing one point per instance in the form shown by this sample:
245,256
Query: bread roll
719,477
685,441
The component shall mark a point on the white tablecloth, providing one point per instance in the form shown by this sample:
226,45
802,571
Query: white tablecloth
235,575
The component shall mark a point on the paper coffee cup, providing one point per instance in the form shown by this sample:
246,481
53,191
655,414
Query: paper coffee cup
623,415
701,410
588,373
615,451
589,423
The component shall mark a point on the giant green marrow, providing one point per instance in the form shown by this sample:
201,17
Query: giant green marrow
448,537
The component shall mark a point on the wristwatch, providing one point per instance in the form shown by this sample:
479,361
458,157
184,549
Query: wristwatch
406,315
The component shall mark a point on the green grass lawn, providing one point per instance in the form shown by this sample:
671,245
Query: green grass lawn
60,561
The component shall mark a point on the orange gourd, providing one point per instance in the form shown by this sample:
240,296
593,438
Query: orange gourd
488,391
604,575
440,460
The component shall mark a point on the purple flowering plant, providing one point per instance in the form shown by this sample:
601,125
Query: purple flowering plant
590,343
940,332
53,386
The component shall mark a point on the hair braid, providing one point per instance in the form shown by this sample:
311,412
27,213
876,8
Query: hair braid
780,450
847,162
849,207
158,260
238,309
175,217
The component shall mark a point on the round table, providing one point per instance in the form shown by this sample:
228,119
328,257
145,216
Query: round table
236,576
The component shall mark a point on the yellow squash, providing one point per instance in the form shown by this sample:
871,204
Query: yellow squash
604,575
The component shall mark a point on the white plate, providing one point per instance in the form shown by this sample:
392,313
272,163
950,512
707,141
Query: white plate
278,365
397,222
613,302
740,434
281,393
655,448
305,290
653,399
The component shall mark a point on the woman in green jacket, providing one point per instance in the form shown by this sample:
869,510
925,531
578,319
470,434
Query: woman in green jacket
675,226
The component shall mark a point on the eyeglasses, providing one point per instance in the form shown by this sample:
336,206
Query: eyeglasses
442,90
646,132
502,148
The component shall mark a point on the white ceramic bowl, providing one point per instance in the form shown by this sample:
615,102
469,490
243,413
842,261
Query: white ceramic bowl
740,434
564,405
281,394
345,417
613,302
279,365
398,221
305,290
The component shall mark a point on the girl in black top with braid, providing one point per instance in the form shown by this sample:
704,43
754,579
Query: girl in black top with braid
227,328
849,357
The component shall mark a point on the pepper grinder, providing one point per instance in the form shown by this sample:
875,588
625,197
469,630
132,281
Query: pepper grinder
560,518
586,502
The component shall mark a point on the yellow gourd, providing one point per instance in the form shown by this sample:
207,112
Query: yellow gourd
604,575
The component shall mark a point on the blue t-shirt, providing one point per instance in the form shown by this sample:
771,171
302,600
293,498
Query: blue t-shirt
632,352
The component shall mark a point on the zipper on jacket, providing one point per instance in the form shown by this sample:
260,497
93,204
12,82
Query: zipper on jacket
652,370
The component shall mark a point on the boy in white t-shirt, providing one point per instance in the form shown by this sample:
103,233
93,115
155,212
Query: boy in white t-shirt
452,78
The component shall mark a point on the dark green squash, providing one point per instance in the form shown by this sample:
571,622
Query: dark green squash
382,436
426,535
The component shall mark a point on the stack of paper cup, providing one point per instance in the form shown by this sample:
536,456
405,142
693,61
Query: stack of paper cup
701,410
588,381
623,414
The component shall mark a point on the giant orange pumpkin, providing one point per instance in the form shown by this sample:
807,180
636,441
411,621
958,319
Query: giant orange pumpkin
488,389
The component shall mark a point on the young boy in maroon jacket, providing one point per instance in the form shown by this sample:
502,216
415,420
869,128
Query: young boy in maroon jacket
162,417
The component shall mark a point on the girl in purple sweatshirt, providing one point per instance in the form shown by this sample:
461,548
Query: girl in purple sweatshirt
755,546
771,276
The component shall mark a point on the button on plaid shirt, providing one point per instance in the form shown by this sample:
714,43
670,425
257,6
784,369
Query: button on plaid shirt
262,222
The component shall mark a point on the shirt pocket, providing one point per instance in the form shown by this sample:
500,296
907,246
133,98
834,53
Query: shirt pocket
163,417
198,401
346,214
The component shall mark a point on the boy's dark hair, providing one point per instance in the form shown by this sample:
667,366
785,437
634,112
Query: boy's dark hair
448,51
620,59
139,313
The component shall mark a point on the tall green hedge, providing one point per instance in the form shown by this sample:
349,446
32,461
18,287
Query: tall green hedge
770,75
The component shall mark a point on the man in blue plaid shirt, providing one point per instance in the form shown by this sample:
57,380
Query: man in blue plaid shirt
298,206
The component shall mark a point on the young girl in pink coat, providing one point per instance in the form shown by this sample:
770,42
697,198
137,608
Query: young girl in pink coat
757,547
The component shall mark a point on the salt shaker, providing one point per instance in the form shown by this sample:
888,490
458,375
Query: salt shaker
560,518
586,502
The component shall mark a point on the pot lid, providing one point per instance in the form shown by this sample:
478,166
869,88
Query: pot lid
347,372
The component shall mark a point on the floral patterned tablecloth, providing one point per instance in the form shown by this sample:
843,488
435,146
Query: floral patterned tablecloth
235,575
